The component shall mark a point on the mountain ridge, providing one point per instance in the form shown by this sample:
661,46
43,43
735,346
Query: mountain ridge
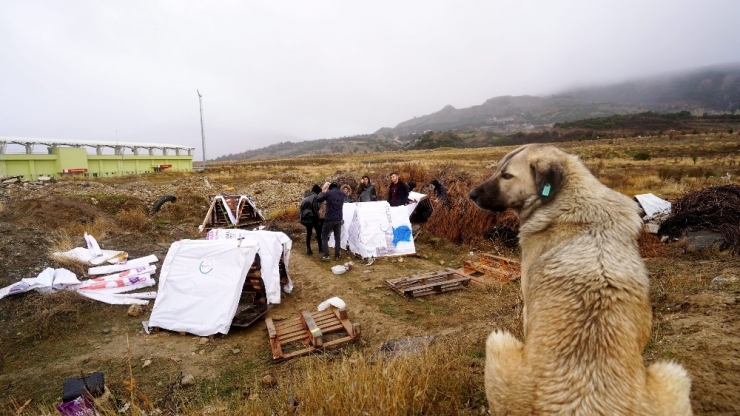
705,90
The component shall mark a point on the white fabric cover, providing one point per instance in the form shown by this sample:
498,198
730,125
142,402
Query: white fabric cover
272,244
200,284
377,230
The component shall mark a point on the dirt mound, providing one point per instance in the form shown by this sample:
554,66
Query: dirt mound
51,212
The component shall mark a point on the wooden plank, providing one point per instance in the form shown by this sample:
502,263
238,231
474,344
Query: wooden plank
436,285
342,316
277,352
294,338
484,257
317,338
271,328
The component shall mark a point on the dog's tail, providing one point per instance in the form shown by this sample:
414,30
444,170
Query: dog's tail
669,386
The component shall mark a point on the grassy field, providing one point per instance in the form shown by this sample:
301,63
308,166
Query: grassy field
47,338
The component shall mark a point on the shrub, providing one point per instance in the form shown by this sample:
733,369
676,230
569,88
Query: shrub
641,156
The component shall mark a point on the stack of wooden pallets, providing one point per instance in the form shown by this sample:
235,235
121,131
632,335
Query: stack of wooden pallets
253,301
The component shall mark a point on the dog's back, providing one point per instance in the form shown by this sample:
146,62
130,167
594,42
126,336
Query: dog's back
586,295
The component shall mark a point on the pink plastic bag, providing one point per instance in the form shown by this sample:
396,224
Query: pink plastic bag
80,406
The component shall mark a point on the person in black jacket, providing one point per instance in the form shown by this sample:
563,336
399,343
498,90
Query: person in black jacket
367,190
333,220
309,216
398,192
440,193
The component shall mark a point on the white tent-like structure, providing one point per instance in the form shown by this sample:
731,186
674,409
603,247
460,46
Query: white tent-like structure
200,284
201,281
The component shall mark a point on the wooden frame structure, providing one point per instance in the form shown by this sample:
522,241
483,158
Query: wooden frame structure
242,213
309,332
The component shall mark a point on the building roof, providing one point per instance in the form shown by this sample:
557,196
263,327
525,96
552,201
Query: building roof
93,143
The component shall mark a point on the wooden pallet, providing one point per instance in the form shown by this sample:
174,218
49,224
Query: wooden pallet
309,332
499,269
430,283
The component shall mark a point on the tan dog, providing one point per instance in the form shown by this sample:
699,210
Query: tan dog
587,313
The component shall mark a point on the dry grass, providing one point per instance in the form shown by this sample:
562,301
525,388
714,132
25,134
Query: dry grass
62,242
135,219
98,227
284,212
446,378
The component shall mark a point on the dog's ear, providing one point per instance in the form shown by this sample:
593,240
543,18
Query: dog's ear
549,177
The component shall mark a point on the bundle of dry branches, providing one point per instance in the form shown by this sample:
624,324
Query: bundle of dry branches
714,208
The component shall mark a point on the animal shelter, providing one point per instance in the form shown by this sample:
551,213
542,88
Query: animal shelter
232,211
229,279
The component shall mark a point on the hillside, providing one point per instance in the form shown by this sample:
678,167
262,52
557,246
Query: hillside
710,91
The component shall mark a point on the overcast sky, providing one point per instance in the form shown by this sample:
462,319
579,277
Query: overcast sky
273,71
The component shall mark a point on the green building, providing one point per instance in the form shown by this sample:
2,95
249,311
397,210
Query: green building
60,157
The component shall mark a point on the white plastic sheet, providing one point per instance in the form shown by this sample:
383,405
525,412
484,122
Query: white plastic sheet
200,284
379,230
335,302
48,280
127,265
93,254
652,205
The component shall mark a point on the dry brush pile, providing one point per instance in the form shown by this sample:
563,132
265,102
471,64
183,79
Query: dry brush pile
715,208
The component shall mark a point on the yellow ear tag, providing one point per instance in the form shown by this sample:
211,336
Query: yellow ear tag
546,190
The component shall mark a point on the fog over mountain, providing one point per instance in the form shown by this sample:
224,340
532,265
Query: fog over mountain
301,70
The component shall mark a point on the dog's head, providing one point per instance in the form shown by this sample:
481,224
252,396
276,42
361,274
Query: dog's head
529,174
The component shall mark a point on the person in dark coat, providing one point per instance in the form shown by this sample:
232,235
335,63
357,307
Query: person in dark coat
398,192
440,193
309,213
367,190
347,191
333,220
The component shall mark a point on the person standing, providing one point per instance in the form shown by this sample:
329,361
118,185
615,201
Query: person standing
398,192
309,215
333,220
440,193
367,190
347,191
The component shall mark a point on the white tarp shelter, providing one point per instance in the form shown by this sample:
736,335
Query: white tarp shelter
272,246
200,285
375,229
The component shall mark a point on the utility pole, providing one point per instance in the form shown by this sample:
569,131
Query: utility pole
202,132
